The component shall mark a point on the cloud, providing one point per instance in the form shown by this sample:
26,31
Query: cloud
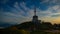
15,18
16,15
20,12
51,2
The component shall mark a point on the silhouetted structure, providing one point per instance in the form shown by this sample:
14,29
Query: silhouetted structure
35,21
35,17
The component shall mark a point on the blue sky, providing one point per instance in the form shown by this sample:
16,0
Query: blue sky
18,11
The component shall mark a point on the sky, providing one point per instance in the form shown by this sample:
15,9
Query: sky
18,11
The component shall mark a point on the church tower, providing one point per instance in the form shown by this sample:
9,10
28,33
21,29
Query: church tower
35,17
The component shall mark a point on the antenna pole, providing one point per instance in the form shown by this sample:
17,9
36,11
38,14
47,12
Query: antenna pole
35,11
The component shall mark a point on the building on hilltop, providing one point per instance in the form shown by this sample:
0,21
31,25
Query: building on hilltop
35,17
35,21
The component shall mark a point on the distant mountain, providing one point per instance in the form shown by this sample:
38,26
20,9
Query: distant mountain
4,24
